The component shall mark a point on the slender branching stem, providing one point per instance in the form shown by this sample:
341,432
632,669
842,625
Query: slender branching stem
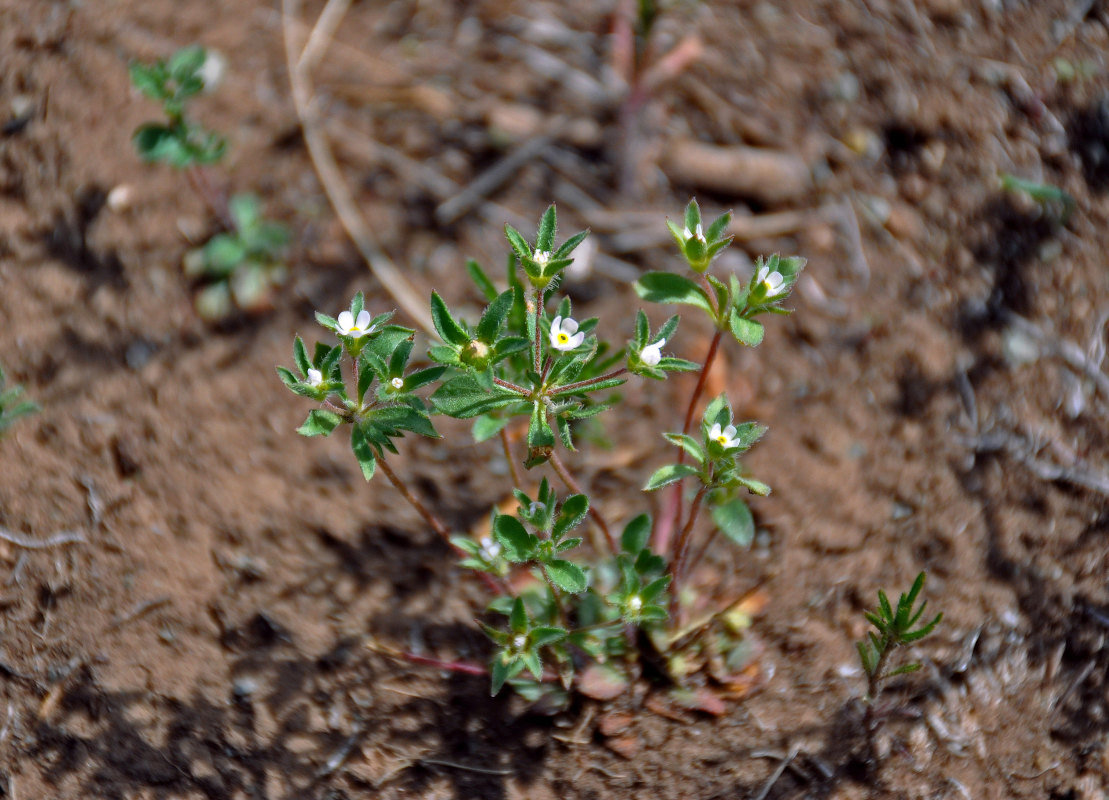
873,689
594,512
436,524
573,387
673,519
512,387
216,200
680,548
512,468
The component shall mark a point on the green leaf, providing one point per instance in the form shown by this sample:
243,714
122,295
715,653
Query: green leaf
503,672
186,61
363,452
518,242
569,245
539,431
754,486
734,520
481,280
300,355
573,511
320,422
446,326
692,215
687,443
519,545
493,318
518,618
636,534
716,230
650,592
532,662
746,331
543,636
566,575
486,427
463,397
666,287
544,240
669,474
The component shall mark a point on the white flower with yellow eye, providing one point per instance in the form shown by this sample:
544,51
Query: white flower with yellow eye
354,328
771,283
565,334
725,437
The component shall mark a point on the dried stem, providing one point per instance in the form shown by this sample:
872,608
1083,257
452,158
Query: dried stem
575,487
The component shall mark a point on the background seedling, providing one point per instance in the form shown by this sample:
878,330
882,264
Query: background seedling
11,406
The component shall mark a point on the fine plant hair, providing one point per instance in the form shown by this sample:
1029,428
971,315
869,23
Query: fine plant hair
575,599
241,267
13,405
893,629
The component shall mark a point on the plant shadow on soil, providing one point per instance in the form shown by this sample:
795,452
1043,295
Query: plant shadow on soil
270,739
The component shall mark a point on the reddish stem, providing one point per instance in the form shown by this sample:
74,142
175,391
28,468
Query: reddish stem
672,515
516,479
575,487
215,199
676,566
494,586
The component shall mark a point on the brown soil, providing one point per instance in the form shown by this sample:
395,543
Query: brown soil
209,639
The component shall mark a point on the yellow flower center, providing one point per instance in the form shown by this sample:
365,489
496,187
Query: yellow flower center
563,338
722,439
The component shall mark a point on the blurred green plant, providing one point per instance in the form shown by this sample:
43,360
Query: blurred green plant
242,267
11,406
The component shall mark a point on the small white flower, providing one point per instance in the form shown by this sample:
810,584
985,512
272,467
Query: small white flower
697,233
520,642
725,437
315,378
772,282
535,507
490,549
212,71
652,353
397,383
635,602
354,328
541,257
564,334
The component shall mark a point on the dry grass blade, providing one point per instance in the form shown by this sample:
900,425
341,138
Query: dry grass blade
338,193
58,539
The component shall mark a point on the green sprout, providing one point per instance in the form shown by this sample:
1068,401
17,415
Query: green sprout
893,628
242,267
11,406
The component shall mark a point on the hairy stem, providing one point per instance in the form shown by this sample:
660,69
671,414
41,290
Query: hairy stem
572,387
575,487
512,387
537,356
680,548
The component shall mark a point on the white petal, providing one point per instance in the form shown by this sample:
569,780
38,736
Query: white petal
569,326
576,340
556,325
729,431
763,272
714,432
652,353
364,319
315,377
346,321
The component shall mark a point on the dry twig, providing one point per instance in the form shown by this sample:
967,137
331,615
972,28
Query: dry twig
58,539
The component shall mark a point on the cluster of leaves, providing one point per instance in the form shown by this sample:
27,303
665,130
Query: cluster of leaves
893,628
178,141
12,407
242,267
